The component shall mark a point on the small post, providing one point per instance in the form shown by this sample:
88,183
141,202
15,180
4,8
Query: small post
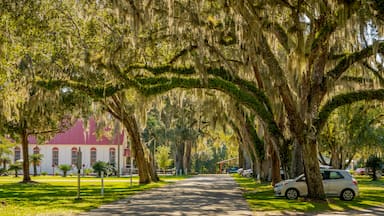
102,183
78,165
131,164
131,171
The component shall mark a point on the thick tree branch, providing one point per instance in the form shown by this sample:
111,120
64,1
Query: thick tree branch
182,53
349,60
345,99
246,99
376,72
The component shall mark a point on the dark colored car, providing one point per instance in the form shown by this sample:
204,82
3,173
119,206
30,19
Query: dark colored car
232,170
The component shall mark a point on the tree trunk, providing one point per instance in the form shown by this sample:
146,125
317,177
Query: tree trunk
24,145
146,170
34,169
179,158
297,167
151,162
146,173
241,156
187,157
312,170
264,170
275,175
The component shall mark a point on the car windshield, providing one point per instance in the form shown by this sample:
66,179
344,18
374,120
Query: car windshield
301,178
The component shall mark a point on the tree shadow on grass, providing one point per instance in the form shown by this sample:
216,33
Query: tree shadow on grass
56,197
260,196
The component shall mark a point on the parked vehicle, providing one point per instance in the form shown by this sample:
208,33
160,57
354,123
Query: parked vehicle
247,173
360,171
240,171
336,182
232,170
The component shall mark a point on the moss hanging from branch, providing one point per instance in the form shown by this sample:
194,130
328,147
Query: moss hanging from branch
349,60
257,142
344,99
243,91
255,103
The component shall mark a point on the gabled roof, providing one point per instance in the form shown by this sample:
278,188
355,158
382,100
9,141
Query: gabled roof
78,135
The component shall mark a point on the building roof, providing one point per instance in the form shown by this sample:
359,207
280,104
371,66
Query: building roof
78,135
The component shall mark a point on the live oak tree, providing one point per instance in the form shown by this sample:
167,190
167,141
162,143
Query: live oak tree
299,49
283,59
351,132
27,109
295,47
121,106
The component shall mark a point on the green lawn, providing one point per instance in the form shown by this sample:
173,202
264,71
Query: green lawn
260,197
54,195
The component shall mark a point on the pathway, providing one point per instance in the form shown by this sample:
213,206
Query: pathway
199,195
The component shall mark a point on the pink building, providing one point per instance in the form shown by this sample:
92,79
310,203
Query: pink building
63,148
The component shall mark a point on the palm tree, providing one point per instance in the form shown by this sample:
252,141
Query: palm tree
35,159
15,167
65,168
100,166
4,160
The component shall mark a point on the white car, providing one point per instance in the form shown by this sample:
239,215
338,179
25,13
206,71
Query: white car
336,182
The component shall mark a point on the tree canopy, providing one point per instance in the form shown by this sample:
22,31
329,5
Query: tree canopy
290,64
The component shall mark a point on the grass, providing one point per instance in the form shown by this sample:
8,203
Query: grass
57,195
260,197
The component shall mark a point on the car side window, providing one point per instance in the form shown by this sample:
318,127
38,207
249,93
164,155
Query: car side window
335,175
325,175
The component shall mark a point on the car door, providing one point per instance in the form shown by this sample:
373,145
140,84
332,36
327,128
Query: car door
332,182
301,186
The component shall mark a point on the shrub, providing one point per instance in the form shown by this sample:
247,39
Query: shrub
16,167
87,171
100,166
44,173
3,172
65,168
374,164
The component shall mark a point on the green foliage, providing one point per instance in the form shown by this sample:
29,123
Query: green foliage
100,166
5,151
65,168
374,163
87,171
162,156
344,99
35,159
351,132
15,167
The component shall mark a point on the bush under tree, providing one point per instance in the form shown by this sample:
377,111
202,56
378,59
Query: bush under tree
374,164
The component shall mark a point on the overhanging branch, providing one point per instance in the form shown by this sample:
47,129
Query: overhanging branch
349,60
345,99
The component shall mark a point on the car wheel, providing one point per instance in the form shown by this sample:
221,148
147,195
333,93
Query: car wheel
347,195
292,194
